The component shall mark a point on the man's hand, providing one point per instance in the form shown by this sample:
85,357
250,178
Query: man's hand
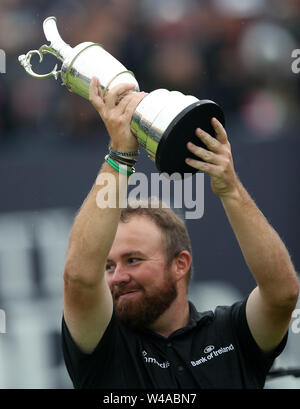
116,110
216,160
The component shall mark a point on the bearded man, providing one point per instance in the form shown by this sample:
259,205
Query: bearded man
127,319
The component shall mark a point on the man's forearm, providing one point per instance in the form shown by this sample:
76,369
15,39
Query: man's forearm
94,229
263,250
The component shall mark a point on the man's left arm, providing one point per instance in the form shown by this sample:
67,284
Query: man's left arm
271,303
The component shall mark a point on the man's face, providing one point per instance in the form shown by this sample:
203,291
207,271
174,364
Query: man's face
141,283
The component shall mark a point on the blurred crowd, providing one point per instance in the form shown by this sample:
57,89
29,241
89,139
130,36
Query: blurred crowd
237,53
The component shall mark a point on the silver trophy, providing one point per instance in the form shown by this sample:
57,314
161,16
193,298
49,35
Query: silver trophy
163,122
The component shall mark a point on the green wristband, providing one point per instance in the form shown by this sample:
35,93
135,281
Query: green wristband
117,167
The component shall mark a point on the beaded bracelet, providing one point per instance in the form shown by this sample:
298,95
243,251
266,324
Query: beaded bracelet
119,168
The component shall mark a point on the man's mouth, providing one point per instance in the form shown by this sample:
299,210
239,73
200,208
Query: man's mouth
126,294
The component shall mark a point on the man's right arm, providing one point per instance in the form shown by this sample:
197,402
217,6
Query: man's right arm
87,299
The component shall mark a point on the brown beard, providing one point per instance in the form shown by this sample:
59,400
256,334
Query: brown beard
142,312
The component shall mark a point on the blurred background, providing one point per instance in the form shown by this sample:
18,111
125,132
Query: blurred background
52,144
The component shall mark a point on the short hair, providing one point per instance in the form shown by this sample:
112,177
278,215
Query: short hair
172,226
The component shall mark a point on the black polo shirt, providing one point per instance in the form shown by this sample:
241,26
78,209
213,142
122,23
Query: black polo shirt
215,350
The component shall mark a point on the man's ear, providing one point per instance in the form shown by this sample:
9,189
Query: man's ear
182,264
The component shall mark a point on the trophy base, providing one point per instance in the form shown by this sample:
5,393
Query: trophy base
172,150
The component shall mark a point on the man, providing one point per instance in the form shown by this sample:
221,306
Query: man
127,320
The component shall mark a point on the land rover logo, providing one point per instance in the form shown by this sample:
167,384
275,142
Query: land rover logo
208,349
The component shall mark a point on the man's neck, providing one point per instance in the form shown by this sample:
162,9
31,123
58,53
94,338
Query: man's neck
175,317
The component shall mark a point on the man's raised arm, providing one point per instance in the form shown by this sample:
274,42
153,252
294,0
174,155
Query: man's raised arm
270,305
87,299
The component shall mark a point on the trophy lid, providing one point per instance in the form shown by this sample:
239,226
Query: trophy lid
172,150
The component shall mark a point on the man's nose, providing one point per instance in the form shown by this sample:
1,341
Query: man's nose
120,275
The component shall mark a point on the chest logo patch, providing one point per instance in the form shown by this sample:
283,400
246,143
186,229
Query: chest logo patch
151,360
212,354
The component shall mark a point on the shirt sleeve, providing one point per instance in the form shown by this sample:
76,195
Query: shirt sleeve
80,365
248,346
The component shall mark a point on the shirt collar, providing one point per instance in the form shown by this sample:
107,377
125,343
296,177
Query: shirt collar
196,319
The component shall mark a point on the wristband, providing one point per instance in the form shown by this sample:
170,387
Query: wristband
118,168
122,160
123,153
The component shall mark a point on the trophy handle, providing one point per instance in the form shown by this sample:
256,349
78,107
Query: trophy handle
25,62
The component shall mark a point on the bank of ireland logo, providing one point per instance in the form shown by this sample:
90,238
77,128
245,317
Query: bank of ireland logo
208,349
211,353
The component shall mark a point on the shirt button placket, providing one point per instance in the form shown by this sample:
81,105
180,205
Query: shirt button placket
180,368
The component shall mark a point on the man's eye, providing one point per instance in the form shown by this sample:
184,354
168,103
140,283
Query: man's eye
108,267
132,260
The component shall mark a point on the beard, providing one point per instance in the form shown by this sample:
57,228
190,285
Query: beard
144,309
